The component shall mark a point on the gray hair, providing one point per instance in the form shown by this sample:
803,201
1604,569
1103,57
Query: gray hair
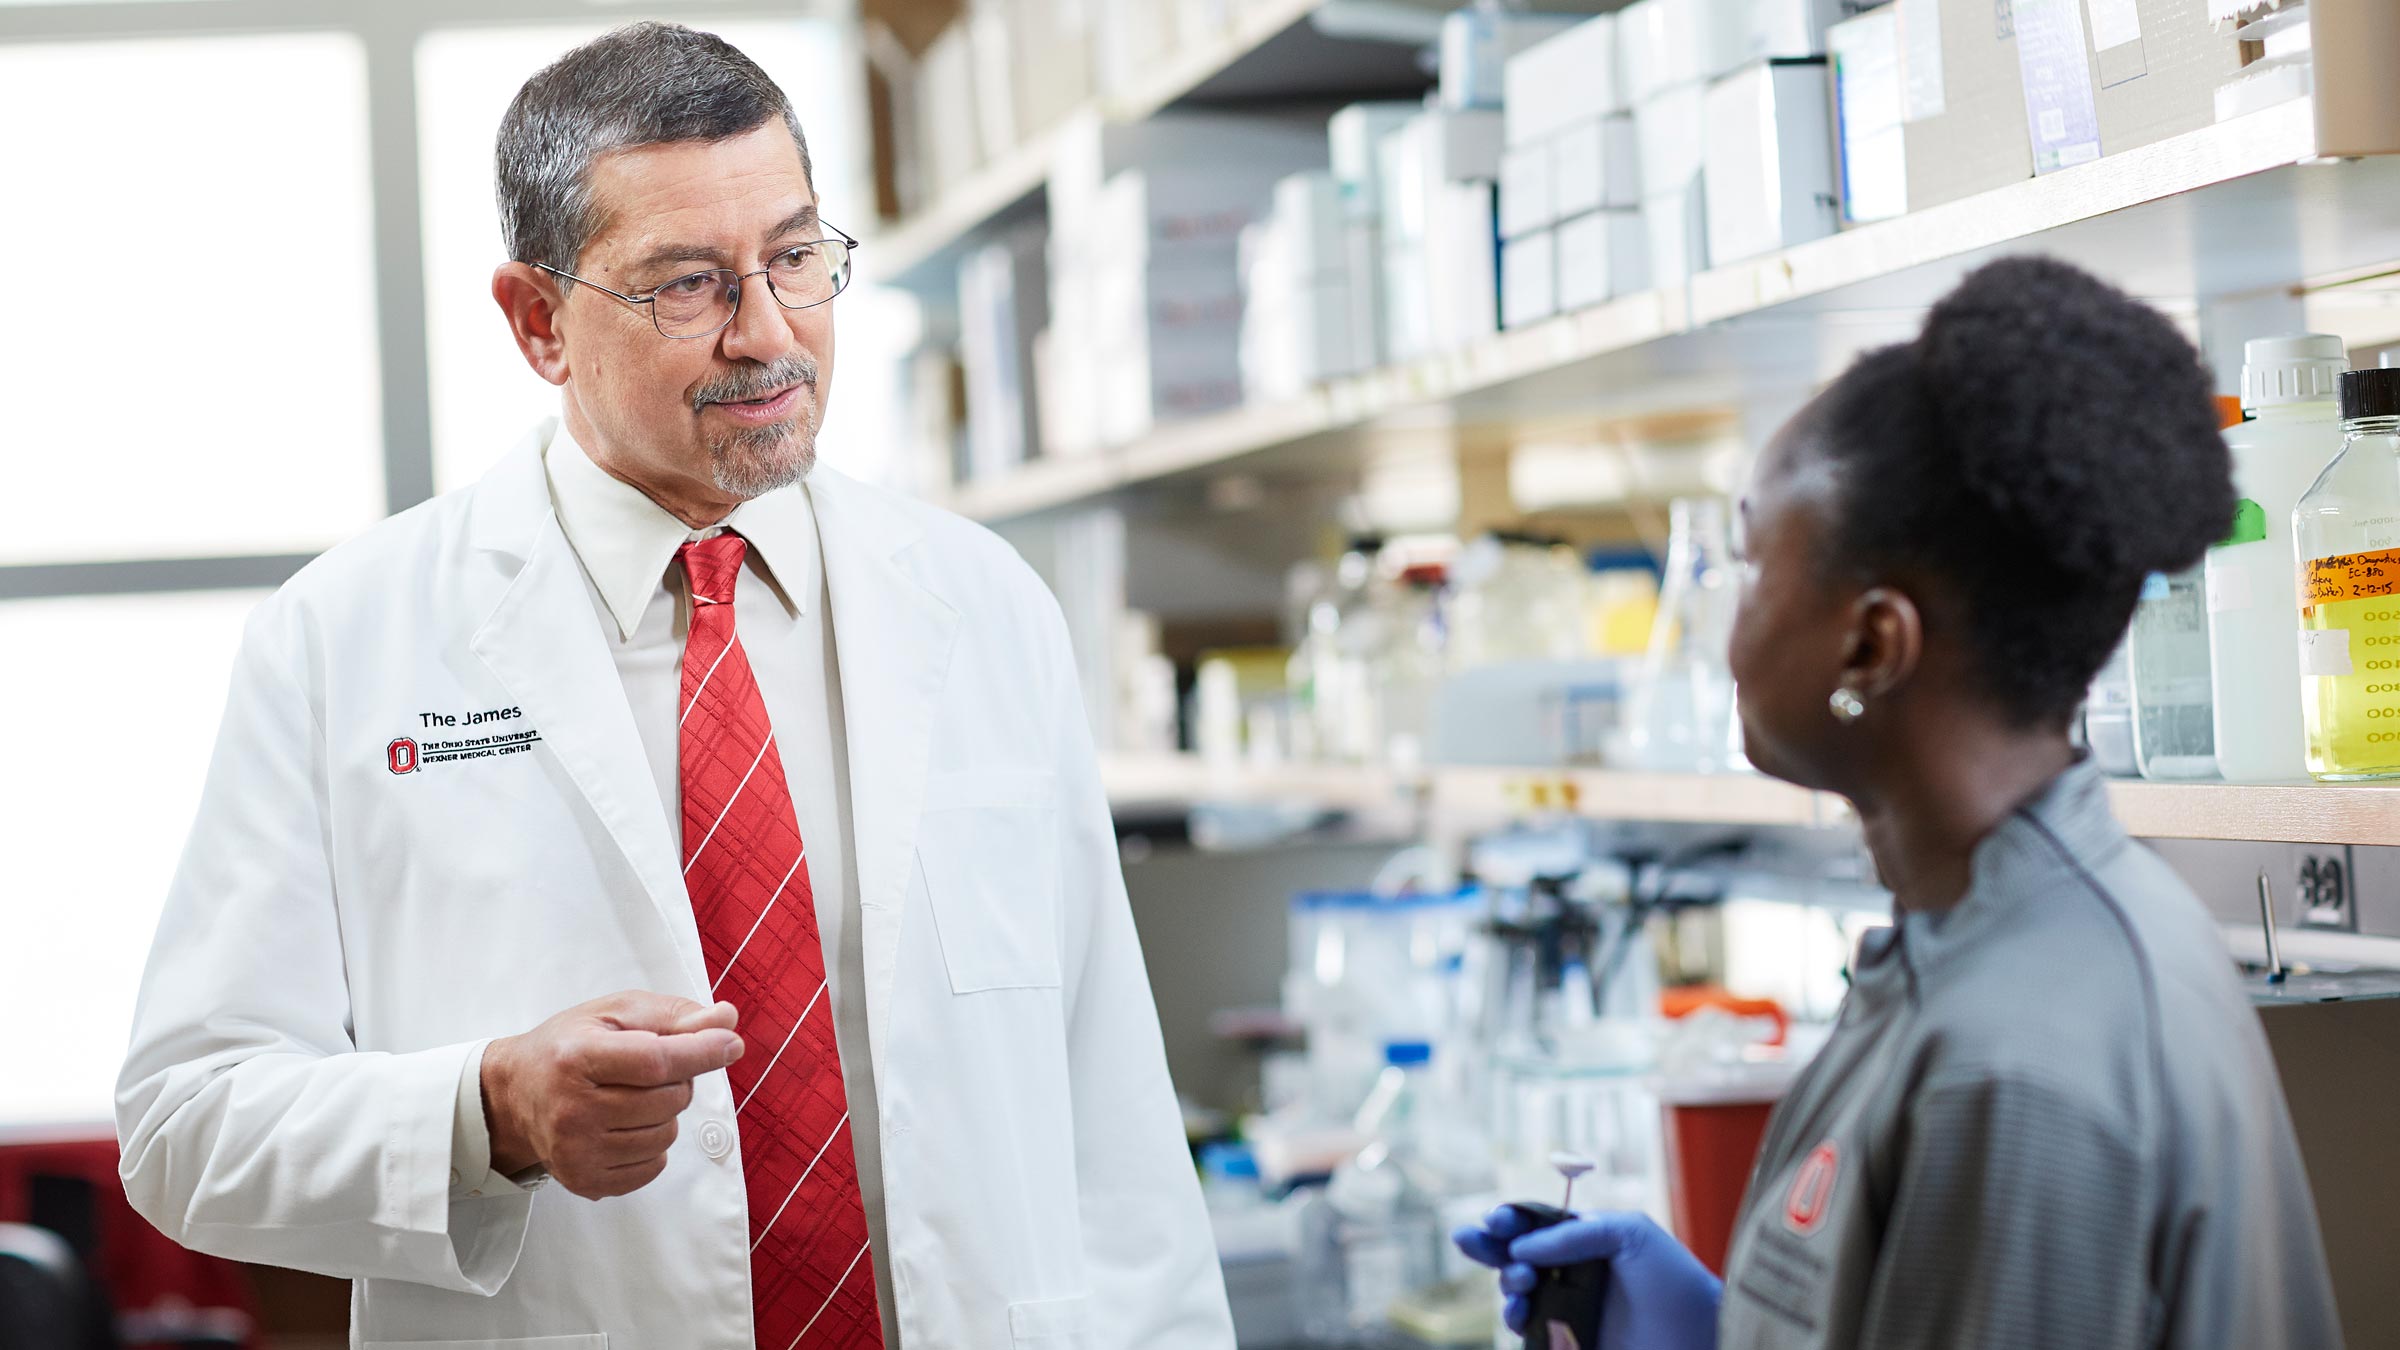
643,84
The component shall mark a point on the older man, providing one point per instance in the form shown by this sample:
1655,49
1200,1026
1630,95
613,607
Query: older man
661,896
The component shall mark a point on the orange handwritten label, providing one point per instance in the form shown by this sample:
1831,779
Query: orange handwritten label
2349,576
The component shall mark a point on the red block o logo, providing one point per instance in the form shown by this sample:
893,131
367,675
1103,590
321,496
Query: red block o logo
1812,1190
401,755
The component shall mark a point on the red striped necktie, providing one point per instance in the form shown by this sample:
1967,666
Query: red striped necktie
811,1281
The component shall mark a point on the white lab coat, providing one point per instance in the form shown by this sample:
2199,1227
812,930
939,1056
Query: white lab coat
340,937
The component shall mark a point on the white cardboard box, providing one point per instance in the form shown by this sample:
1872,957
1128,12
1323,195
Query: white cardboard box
1561,80
1407,301
1735,33
1770,160
1146,378
1168,215
1476,46
1308,212
1002,302
1352,136
1465,258
1600,257
1528,279
1659,45
1598,167
1465,144
1964,126
1870,99
1442,290
1528,197
1669,127
1676,226
1246,151
1436,148
1296,338
952,145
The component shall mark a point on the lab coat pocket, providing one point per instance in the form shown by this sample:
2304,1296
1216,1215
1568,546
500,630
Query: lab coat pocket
991,873
1054,1324
595,1341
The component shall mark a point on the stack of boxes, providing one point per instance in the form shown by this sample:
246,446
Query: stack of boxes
1942,99
1145,277
1660,46
1570,188
1002,305
1299,301
1352,138
1199,260
1438,175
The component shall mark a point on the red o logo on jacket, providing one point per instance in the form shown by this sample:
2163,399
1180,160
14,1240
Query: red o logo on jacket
1812,1190
401,755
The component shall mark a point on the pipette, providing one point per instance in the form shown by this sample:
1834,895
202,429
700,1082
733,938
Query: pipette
1563,1297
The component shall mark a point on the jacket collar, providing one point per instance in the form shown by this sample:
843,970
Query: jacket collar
2064,829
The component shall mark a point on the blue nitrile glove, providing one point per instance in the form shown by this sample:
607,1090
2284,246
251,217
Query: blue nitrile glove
1659,1296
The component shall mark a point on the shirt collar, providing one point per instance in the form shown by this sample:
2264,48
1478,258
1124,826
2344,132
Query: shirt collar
2063,830
627,542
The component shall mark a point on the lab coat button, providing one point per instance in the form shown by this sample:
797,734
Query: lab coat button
715,1140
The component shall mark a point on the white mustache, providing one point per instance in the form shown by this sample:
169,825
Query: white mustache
761,382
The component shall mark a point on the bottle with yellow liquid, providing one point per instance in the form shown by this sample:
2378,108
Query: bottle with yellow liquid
2346,534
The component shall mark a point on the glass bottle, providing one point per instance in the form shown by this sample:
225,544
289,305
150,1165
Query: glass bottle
1519,597
2295,428
2108,717
1679,710
1391,1236
1332,655
1408,670
2166,655
2347,534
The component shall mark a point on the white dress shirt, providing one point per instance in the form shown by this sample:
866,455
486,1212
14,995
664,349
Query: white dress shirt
642,600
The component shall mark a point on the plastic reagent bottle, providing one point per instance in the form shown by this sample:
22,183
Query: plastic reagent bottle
2347,533
2288,386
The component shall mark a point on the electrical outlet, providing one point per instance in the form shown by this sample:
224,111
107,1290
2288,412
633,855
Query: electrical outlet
2325,892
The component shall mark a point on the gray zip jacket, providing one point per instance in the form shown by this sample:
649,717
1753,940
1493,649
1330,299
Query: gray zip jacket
2046,1119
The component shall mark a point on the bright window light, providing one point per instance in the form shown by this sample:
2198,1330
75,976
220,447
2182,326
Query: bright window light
188,359
103,775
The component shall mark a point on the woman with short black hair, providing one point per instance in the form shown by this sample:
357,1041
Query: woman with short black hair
2046,1116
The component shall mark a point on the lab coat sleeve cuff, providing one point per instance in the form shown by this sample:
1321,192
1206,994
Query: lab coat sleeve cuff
471,1174
485,1233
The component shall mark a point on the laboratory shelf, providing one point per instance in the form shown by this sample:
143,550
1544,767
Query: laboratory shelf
1270,51
2228,208
909,252
1154,781
2231,209
2299,813
1487,794
2290,813
1429,400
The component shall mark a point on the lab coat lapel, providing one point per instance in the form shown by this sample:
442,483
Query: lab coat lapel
542,641
892,639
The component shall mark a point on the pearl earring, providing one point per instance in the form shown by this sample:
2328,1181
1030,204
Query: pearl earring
1847,706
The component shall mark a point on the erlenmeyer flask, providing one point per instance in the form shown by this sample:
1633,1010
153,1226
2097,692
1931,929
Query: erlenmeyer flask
1679,713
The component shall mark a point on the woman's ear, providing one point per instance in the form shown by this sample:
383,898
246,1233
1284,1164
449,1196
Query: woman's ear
1887,639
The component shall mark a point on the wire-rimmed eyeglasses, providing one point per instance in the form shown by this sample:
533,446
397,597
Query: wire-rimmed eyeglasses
700,304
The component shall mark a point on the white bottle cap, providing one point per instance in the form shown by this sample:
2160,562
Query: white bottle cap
2292,368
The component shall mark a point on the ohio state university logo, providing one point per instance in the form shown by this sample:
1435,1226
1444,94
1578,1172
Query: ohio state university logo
401,755
1812,1190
